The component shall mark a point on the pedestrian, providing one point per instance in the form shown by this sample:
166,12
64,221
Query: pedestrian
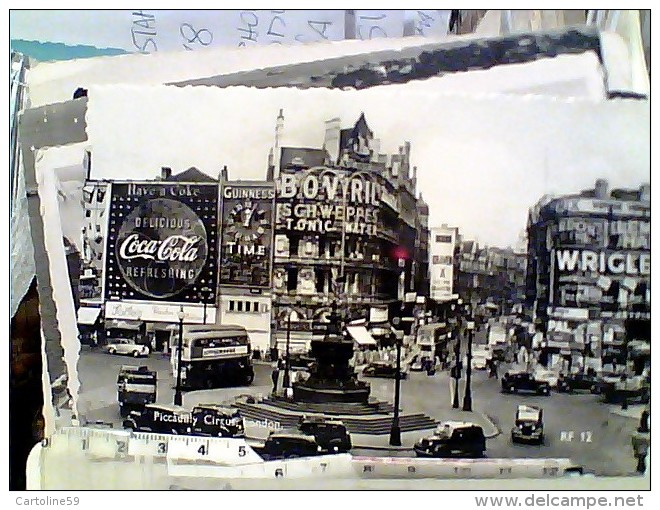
495,369
275,376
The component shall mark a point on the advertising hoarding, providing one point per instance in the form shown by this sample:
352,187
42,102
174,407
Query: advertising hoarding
322,200
247,234
161,246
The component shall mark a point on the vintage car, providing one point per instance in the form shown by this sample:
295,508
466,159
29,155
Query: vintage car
290,443
136,387
453,439
417,363
160,419
546,374
127,346
330,434
580,381
528,426
635,389
217,420
382,369
513,382
480,357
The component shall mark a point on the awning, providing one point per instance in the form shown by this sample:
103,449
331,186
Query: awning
361,335
88,316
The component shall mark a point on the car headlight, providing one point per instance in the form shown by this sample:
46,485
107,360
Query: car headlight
520,426
533,428
318,448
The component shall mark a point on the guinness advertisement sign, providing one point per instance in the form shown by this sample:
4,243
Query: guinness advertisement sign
162,243
247,234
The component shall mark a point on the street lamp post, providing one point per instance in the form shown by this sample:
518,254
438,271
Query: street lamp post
286,380
178,399
457,368
206,294
395,431
467,401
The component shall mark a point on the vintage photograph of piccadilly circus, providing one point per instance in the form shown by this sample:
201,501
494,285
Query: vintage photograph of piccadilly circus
319,311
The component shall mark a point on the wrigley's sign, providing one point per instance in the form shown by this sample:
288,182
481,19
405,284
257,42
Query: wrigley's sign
602,262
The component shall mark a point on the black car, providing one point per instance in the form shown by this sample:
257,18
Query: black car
382,369
528,426
288,444
160,419
580,381
633,389
217,421
513,382
330,434
136,387
453,439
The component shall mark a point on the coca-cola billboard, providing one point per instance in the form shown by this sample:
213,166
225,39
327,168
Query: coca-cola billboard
162,243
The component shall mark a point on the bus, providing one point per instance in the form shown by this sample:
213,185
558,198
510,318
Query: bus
212,356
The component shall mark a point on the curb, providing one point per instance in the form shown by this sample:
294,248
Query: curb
489,420
384,448
626,414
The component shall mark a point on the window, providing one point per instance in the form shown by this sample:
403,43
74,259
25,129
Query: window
239,306
439,238
88,213
247,306
232,305
255,306
442,259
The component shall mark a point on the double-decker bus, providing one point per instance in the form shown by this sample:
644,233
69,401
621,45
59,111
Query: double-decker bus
212,356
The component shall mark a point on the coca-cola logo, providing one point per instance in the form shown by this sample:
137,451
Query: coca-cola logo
174,248
161,247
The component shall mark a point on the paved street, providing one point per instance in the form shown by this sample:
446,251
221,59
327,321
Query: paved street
576,426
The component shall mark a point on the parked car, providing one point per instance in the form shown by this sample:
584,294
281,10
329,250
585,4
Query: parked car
330,434
580,381
480,357
546,374
160,419
290,443
417,363
453,439
127,346
529,425
382,369
513,382
634,389
606,381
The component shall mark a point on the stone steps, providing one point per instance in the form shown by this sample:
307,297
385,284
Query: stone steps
332,408
375,424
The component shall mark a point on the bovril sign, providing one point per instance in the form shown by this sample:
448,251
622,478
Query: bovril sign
161,241
323,200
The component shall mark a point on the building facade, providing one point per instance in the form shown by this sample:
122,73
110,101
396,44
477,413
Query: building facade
491,279
588,280
347,229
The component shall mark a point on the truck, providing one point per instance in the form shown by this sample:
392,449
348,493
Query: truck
136,387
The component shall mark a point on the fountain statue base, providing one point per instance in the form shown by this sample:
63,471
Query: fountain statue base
332,379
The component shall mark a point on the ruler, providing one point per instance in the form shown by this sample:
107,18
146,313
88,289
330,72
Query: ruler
100,444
